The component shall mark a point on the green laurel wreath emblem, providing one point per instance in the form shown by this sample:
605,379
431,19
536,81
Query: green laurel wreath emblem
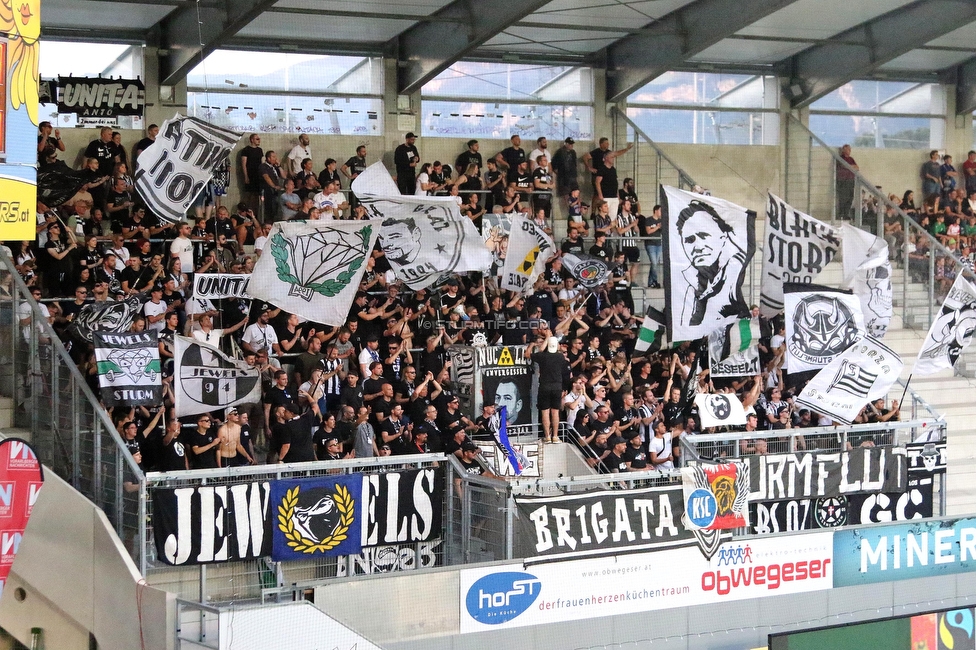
329,287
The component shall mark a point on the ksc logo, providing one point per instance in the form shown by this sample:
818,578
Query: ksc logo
500,597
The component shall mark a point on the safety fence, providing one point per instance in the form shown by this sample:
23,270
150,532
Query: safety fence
54,406
821,183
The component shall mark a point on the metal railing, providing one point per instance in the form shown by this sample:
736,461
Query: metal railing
72,434
811,185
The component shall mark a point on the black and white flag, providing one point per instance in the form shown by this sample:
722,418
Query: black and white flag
951,331
128,368
708,244
106,316
820,324
425,238
862,374
221,285
798,247
867,271
205,379
720,410
733,351
529,248
591,272
173,170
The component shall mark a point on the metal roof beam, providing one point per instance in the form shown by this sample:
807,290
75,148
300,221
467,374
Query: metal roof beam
638,58
854,53
429,47
190,33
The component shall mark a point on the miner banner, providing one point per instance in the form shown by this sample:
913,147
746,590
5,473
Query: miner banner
175,168
823,474
603,522
220,285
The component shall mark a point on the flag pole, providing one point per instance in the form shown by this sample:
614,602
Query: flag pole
904,392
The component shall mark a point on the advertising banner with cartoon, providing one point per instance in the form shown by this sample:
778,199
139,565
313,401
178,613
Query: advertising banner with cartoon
513,595
21,25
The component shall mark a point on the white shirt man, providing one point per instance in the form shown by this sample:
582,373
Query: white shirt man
299,152
182,248
541,149
260,336
154,309
329,198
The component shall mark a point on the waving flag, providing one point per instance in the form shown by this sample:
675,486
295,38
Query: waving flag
867,271
499,427
652,332
205,379
128,368
951,331
313,268
529,248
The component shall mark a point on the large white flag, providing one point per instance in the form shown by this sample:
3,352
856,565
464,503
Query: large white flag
708,244
951,331
720,410
313,268
205,379
798,247
868,272
424,238
529,248
821,323
865,372
173,170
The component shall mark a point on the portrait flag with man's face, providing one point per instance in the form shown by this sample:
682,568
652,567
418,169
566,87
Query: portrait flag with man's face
708,244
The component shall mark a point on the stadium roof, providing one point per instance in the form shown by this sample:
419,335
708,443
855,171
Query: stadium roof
814,46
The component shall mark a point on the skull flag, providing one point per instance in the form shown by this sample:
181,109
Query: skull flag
716,496
128,368
820,324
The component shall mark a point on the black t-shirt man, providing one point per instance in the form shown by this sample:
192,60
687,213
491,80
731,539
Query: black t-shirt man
207,459
102,152
513,157
299,430
253,157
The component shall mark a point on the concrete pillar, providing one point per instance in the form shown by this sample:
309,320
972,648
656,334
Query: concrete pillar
958,129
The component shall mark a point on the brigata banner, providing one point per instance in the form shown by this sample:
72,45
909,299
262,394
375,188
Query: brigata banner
818,474
508,596
221,285
920,549
832,512
603,522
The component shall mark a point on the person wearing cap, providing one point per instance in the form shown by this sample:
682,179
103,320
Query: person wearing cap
155,308
471,156
418,445
615,461
406,158
565,168
261,336
230,451
635,455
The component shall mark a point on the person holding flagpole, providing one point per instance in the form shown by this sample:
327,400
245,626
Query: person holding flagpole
553,372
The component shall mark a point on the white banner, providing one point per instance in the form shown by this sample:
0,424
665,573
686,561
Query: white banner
720,410
205,379
220,285
820,324
176,167
313,268
529,248
866,258
951,331
798,247
424,238
865,372
708,244
507,596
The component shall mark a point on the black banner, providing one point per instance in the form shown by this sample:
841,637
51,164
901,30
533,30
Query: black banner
402,507
393,559
213,523
98,97
927,457
602,522
818,474
830,512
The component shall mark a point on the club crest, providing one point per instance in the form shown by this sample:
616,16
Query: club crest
323,262
316,520
823,327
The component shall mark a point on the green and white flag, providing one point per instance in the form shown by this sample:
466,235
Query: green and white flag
313,268
733,350
652,332
128,368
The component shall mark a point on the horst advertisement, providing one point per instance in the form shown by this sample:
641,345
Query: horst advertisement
297,518
508,596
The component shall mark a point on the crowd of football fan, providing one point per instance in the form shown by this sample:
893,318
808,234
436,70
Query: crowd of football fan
380,384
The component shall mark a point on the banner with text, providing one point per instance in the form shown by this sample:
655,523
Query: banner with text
220,285
128,368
